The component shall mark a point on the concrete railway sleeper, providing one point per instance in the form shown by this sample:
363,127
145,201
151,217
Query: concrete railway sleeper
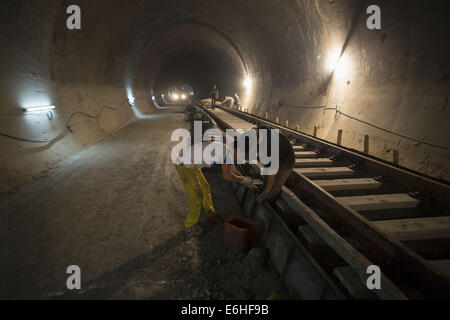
359,211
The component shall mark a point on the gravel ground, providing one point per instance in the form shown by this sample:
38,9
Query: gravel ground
117,211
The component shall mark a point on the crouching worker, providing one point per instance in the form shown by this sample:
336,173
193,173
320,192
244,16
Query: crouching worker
228,102
286,156
195,183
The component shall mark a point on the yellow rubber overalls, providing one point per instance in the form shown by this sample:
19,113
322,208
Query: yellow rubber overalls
199,194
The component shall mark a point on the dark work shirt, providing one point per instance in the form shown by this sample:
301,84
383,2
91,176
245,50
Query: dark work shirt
286,153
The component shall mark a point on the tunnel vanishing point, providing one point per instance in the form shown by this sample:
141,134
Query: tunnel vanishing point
314,65
392,90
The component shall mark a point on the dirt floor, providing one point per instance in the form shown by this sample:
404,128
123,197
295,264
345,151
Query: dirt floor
117,210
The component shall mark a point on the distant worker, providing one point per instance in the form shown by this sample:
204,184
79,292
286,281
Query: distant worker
228,102
237,100
274,183
196,185
214,96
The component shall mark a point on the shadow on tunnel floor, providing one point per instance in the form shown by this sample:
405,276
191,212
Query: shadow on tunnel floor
191,265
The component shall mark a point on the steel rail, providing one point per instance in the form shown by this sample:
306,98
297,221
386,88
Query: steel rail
346,251
421,182
426,277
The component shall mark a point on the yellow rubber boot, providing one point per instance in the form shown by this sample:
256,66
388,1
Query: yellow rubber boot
207,202
193,190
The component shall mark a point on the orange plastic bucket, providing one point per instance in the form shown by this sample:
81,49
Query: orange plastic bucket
239,234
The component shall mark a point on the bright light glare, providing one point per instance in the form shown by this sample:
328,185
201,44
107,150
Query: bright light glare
333,60
183,96
175,96
338,64
38,109
248,84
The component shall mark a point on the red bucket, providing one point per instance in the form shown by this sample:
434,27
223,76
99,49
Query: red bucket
239,234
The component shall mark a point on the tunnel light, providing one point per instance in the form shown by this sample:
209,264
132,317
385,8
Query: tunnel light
248,84
333,60
339,64
38,109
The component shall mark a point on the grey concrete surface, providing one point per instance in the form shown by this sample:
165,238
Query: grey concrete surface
117,211
397,78
97,209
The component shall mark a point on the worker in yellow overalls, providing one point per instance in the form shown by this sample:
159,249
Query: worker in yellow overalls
198,189
199,194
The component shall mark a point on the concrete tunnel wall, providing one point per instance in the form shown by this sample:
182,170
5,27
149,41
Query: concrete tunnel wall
397,78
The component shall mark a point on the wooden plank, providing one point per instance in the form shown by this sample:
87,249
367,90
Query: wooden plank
429,185
323,253
312,162
348,184
416,229
305,154
431,249
380,202
312,237
443,265
350,280
293,264
379,215
427,277
239,122
357,261
325,172
242,128
298,148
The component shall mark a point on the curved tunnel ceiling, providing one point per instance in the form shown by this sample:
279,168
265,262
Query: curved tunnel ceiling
142,36
195,53
395,86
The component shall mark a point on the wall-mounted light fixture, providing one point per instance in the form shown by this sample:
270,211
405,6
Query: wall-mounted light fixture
31,110
248,84
338,63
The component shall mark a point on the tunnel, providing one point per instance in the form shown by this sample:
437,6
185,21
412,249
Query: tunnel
89,181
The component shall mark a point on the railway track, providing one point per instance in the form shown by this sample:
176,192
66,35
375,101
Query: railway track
353,211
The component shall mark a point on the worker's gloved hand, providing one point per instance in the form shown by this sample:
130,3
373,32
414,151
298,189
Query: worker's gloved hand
247,181
262,196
